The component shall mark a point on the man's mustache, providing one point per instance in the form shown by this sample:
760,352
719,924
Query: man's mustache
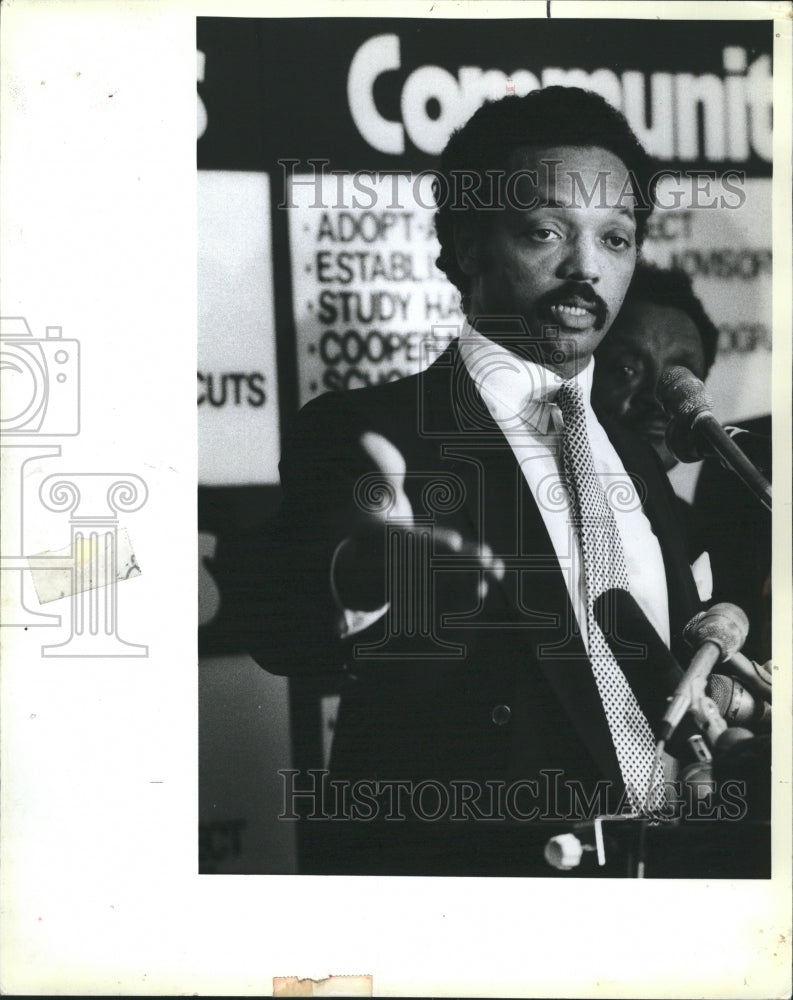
574,293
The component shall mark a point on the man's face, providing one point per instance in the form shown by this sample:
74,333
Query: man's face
563,264
645,340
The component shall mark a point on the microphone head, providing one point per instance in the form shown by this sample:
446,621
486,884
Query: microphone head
682,394
731,737
733,701
685,446
725,625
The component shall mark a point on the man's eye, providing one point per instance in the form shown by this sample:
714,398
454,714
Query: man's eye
543,235
617,242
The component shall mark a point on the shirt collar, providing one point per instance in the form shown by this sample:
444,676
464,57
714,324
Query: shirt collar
512,386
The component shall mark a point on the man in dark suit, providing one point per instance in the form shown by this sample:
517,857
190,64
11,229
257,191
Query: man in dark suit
433,531
663,323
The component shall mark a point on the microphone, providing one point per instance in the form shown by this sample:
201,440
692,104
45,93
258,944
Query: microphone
687,447
736,705
756,447
649,667
709,719
756,677
686,400
719,634
634,643
732,737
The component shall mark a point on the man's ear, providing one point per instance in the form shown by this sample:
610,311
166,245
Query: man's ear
467,246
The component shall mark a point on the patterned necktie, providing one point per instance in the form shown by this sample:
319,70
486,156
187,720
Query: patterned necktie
604,568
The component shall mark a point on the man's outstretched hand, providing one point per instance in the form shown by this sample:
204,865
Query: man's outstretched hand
364,563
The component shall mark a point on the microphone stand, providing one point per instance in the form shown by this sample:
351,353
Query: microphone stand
687,402
734,459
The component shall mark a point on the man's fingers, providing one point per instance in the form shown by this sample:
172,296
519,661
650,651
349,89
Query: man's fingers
449,540
381,491
453,542
384,455
491,562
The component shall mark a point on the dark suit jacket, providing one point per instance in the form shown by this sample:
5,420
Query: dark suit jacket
516,696
736,530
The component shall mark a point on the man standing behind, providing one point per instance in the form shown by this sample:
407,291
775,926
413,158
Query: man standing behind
662,323
446,538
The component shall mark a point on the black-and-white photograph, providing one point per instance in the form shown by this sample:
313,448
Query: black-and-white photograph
425,644
484,409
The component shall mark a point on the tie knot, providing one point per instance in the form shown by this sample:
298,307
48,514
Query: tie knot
570,400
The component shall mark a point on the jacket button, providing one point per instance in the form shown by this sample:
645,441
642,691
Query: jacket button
501,715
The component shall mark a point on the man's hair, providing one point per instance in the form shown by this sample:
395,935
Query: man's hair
671,287
555,116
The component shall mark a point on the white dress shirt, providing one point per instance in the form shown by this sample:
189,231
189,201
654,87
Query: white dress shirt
520,397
